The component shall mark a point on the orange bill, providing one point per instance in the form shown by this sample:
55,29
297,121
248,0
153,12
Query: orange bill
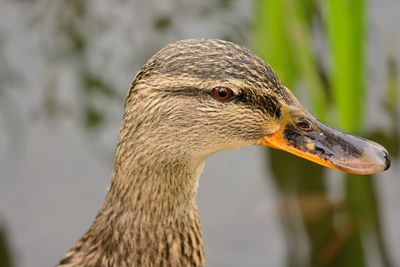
329,147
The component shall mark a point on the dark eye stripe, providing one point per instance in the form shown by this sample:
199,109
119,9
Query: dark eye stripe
184,91
267,104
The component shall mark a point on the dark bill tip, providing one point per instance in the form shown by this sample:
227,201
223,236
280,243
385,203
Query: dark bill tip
373,158
387,161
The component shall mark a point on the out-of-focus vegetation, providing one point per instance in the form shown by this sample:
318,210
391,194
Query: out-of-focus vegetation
5,253
335,232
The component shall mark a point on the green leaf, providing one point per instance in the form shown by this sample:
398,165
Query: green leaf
345,25
272,42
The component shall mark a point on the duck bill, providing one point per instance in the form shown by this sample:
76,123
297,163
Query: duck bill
330,148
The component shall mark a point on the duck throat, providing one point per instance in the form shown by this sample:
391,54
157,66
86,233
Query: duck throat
149,217
154,186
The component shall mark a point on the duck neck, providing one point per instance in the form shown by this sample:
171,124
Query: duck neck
152,187
148,219
149,215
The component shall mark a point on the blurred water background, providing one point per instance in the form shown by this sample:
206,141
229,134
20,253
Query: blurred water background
65,68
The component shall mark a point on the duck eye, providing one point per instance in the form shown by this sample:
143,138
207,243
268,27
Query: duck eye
222,94
305,125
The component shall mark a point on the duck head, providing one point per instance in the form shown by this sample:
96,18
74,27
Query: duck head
196,97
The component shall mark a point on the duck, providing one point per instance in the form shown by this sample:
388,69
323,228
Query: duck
191,99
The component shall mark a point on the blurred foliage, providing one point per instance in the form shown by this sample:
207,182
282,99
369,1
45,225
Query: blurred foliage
285,33
391,140
74,27
344,24
162,23
290,49
5,253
